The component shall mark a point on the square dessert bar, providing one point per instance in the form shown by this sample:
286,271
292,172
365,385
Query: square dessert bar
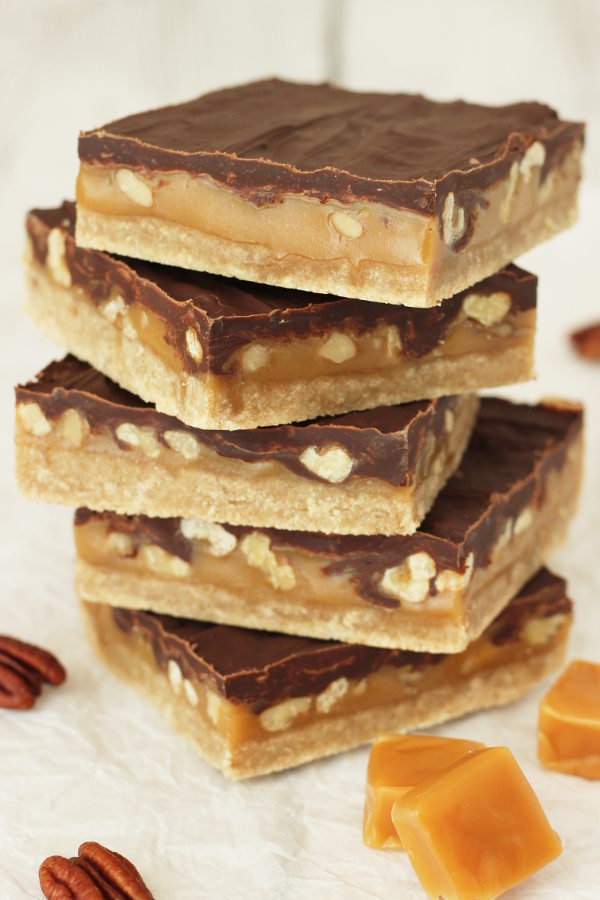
491,527
83,441
223,354
392,198
255,702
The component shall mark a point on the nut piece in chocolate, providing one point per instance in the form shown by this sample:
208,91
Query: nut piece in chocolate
392,198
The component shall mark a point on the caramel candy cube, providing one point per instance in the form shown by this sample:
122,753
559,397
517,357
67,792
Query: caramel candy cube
569,722
476,829
397,763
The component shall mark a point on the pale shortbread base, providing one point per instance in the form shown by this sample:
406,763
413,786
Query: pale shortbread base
311,610
101,476
321,736
233,401
147,237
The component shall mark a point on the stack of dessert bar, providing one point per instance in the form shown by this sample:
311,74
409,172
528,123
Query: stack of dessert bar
299,526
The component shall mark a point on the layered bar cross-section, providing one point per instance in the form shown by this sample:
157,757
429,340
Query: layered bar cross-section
492,526
391,198
256,702
83,441
222,354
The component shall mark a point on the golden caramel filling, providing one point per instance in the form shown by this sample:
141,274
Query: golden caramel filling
398,763
569,722
296,226
476,829
344,353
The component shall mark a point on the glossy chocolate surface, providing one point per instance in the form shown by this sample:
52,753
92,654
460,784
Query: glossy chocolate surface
513,449
273,138
227,314
261,668
385,443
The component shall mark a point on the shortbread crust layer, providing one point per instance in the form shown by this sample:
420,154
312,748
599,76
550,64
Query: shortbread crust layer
254,703
496,521
83,441
438,197
222,354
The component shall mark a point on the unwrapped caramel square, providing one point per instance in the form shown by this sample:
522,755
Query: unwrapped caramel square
397,763
476,829
569,722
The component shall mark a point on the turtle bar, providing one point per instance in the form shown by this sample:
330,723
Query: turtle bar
83,441
392,198
222,354
255,702
490,529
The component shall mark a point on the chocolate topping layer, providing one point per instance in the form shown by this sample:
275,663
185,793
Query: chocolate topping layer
273,138
385,443
513,449
227,314
261,668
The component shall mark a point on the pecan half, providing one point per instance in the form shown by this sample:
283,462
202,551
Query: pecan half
64,879
33,681
15,690
23,669
587,341
96,874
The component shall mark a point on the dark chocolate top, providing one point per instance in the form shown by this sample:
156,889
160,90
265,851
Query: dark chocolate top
262,668
272,138
512,450
385,443
227,314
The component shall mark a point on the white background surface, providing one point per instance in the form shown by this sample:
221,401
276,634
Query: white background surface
94,762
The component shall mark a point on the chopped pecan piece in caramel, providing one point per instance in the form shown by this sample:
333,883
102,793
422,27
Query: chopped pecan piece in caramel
587,341
23,669
95,874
